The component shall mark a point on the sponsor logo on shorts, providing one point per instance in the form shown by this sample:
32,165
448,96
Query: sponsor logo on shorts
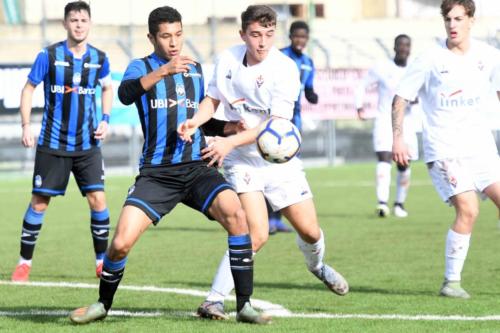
229,75
38,181
304,192
452,180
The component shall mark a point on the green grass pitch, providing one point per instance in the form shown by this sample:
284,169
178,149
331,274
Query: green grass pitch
394,266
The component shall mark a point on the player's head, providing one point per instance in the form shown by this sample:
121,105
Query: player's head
458,18
77,21
165,31
299,35
402,48
258,25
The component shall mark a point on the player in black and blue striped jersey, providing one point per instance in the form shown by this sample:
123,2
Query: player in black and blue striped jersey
70,136
299,36
167,88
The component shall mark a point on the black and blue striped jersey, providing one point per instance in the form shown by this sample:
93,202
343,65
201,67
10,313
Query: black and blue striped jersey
70,83
163,108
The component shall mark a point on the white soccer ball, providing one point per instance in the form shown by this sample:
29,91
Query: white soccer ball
278,141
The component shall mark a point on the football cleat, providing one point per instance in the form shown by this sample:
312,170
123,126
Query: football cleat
399,210
98,270
251,316
21,273
276,225
332,279
212,310
453,289
383,210
88,314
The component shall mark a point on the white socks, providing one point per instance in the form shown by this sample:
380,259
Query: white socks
223,281
383,181
313,253
457,246
402,185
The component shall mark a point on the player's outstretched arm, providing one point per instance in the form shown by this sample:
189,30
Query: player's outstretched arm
206,110
28,139
218,147
399,149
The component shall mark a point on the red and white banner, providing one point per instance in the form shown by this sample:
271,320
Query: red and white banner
335,88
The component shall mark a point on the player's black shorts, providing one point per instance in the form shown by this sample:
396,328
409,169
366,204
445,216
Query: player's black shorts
51,174
157,190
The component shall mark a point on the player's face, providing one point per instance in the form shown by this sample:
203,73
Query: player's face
402,49
168,40
299,38
77,24
458,25
259,41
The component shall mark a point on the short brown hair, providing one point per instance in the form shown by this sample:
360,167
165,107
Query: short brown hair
265,15
469,6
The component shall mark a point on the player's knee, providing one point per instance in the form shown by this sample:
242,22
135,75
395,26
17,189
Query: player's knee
40,206
468,215
119,249
311,235
96,200
236,221
259,240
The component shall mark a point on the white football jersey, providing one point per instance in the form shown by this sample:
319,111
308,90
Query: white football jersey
254,93
385,76
453,90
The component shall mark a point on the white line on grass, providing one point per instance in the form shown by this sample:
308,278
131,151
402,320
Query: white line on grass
271,308
123,313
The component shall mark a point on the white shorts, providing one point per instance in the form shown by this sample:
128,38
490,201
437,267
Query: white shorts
382,137
282,184
457,175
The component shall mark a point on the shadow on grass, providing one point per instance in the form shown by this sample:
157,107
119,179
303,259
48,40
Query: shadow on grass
320,287
57,315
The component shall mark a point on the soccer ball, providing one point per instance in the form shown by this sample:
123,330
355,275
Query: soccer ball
278,140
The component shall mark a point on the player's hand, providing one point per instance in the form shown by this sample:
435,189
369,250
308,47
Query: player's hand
400,153
178,64
217,150
186,130
101,131
361,114
28,140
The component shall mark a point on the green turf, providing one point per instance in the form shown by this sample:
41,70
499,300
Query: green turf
394,266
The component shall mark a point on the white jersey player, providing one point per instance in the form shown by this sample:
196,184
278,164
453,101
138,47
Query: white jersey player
254,82
453,81
386,76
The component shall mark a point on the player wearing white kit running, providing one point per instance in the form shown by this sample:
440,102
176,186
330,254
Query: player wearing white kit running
385,76
254,82
452,81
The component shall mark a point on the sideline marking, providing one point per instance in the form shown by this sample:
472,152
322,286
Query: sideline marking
271,308
275,310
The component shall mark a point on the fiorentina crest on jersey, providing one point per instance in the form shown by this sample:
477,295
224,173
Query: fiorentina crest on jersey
259,81
480,65
179,90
